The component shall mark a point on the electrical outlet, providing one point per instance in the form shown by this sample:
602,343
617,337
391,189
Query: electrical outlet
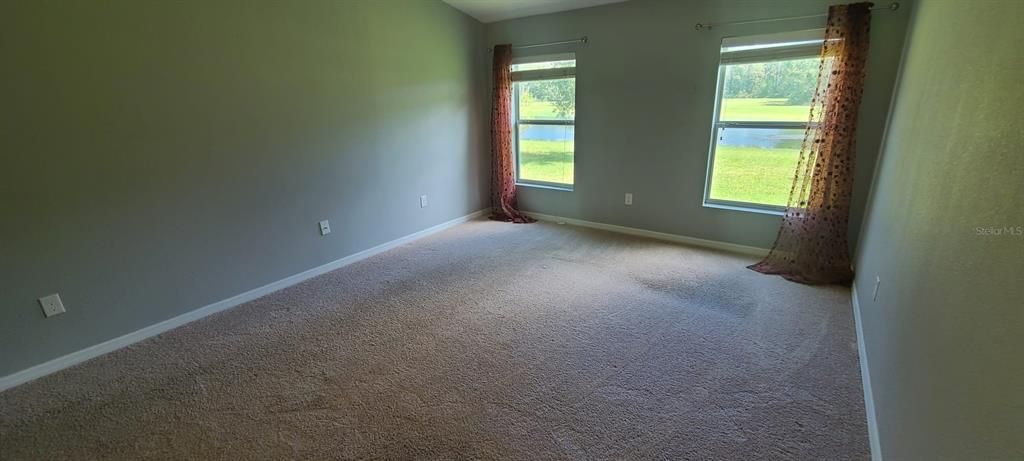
878,282
423,201
325,227
51,305
629,198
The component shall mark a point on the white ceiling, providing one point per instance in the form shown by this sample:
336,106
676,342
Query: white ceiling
500,10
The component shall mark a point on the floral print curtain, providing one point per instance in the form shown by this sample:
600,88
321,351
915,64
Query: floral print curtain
503,179
812,246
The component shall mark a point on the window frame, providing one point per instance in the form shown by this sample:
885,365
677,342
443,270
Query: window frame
802,49
535,76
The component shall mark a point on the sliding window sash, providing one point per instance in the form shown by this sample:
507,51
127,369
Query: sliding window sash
771,54
534,75
547,122
544,74
772,47
775,125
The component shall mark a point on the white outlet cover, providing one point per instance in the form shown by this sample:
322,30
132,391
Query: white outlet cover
629,198
325,227
51,305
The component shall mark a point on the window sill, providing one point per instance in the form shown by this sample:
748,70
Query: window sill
746,208
544,186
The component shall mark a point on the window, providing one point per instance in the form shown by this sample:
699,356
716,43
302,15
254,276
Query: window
762,109
544,120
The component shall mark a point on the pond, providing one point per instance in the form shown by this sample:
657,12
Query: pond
547,132
764,138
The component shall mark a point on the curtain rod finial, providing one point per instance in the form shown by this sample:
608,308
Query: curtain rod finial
702,26
894,6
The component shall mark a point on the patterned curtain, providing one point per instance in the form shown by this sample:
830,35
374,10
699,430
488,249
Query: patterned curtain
503,180
811,246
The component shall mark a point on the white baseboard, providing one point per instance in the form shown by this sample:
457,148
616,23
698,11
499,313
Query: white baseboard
865,376
97,350
713,244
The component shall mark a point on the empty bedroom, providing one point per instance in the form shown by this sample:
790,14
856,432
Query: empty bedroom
511,229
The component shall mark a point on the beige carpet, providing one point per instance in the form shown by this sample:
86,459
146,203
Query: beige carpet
489,340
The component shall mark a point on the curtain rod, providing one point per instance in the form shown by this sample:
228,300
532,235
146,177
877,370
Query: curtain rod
705,26
582,39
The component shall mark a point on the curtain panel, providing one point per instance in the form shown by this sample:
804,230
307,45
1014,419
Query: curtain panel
503,177
811,246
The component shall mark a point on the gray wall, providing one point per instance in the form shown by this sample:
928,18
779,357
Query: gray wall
159,156
945,336
645,96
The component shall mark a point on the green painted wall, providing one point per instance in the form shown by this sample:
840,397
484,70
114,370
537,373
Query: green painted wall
944,234
159,156
645,91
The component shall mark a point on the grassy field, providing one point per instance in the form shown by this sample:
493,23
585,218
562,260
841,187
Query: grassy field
538,110
548,161
763,110
751,174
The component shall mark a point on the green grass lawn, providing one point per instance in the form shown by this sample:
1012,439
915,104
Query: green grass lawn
548,161
763,110
752,174
538,110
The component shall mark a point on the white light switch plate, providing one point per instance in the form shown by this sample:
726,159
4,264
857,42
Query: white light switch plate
325,227
51,305
629,198
423,201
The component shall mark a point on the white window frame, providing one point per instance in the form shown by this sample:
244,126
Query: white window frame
756,49
536,75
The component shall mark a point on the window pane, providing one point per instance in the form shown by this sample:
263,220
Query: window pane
775,91
755,165
544,65
547,99
546,153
